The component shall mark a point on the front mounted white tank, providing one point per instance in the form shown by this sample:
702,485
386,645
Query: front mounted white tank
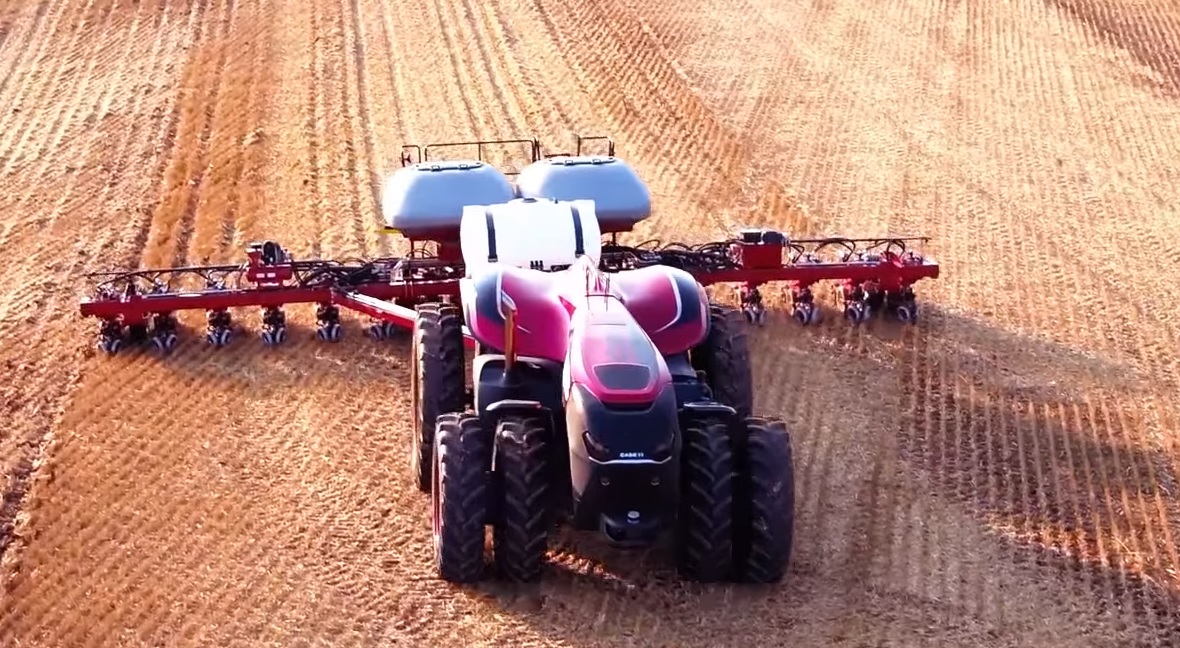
529,233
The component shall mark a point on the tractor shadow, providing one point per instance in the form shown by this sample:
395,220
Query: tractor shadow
1046,446
1025,441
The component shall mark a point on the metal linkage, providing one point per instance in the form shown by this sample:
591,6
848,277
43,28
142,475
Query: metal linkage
871,275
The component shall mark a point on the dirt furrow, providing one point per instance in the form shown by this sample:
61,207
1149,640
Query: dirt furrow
16,119
251,215
464,86
20,108
127,494
149,105
377,118
122,471
233,134
410,29
652,113
21,21
546,66
338,185
214,538
953,270
315,87
1135,471
365,165
1001,475
1063,266
77,83
201,527
40,207
525,110
1134,184
171,224
193,227
91,251
70,72
29,400
126,477
1119,264
139,228
69,124
495,118
550,111
401,88
289,175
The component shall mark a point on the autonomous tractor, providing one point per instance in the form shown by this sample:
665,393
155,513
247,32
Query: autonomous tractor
559,376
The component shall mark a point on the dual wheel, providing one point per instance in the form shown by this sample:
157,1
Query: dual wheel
735,519
466,494
759,497
451,458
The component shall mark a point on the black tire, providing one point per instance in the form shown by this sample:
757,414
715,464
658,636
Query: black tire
437,382
764,502
460,496
522,470
724,356
703,526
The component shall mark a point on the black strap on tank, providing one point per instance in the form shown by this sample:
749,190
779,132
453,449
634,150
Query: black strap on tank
487,214
579,246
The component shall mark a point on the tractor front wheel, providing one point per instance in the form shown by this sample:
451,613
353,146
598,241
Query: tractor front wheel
764,501
704,529
437,382
522,470
459,496
724,357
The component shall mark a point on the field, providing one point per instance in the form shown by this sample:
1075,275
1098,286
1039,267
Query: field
1004,474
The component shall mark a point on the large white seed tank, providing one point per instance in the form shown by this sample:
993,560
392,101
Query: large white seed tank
621,199
426,200
529,233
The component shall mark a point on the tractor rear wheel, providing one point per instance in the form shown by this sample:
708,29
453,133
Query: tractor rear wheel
703,525
460,496
437,382
724,357
522,469
764,501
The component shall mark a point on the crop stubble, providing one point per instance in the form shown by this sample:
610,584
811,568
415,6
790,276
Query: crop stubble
976,481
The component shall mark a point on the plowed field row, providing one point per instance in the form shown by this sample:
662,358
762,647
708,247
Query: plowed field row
1086,473
43,229
1005,474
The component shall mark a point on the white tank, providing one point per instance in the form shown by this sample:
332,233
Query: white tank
529,233
426,200
621,198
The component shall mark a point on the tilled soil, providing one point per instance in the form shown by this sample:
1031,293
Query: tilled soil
1004,474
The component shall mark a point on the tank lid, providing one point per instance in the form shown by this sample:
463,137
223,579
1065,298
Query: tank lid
576,160
448,165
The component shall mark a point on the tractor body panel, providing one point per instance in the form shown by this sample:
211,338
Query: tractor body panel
668,303
624,465
532,379
611,355
542,320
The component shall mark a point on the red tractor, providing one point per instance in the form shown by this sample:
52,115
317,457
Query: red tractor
607,390
620,401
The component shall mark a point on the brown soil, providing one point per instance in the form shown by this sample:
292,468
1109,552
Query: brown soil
1003,475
